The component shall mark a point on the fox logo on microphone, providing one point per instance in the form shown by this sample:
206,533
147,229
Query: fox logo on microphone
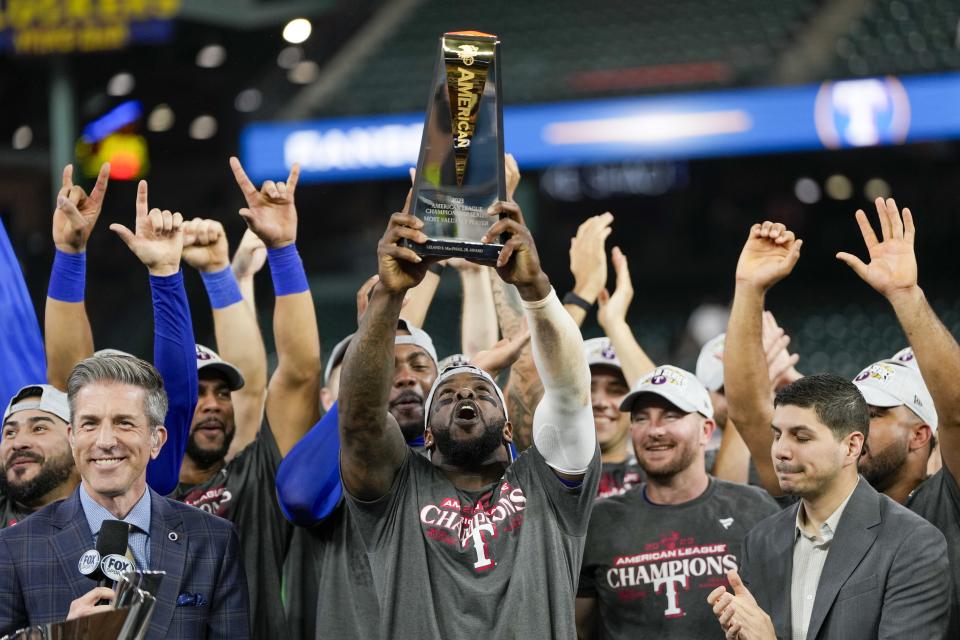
114,566
89,562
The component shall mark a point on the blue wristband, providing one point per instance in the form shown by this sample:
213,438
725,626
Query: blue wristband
68,277
222,287
286,269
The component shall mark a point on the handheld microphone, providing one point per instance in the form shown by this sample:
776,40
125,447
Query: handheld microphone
108,561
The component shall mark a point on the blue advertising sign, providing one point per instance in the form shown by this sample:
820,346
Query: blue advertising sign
831,115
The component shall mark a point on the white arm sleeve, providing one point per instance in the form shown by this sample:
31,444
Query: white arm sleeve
563,428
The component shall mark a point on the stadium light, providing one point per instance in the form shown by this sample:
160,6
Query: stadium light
297,30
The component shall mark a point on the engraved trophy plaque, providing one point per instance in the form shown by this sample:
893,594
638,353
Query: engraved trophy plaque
460,171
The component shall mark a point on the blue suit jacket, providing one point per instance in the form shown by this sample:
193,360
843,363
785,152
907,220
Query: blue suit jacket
39,574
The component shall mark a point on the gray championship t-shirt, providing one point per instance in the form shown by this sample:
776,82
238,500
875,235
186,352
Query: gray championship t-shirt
330,594
616,478
937,500
244,492
10,512
651,567
497,563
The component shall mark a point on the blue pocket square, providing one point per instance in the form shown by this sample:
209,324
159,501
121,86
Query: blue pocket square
191,600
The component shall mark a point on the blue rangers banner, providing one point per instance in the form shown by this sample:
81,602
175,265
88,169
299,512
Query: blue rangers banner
831,115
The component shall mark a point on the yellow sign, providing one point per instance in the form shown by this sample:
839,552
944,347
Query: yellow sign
32,27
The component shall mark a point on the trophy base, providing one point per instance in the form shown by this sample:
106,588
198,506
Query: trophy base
473,251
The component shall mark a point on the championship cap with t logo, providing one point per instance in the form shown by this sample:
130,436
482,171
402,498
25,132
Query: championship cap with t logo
889,383
599,352
681,388
905,356
208,361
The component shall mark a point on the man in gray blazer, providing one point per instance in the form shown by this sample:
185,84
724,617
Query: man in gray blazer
845,561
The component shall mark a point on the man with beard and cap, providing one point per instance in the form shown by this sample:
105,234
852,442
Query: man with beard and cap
469,543
654,553
608,386
36,466
242,488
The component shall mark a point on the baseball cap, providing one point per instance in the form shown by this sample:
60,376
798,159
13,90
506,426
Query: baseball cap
336,357
906,357
451,371
710,363
52,400
453,360
599,351
417,337
889,383
679,387
208,360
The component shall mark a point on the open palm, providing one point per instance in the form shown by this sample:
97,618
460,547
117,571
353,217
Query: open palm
893,263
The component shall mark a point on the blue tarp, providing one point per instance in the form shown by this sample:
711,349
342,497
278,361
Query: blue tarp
22,360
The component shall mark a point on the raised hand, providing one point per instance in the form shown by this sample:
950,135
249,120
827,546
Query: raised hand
613,308
205,245
76,212
588,257
893,263
250,256
518,263
400,268
270,212
769,255
158,241
780,362
503,354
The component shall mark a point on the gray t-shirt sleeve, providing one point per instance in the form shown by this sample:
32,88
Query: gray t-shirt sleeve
376,519
571,505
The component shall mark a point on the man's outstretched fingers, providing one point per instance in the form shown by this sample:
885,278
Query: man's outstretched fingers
125,234
100,188
893,213
869,236
884,220
142,208
246,186
293,178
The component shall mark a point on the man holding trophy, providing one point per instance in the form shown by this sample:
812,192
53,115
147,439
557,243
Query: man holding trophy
469,541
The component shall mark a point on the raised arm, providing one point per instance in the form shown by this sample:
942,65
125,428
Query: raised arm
892,271
238,336
249,258
373,447
563,428
769,255
68,338
612,316
158,243
588,264
478,316
293,394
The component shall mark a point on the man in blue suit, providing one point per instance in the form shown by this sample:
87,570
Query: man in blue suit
117,408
